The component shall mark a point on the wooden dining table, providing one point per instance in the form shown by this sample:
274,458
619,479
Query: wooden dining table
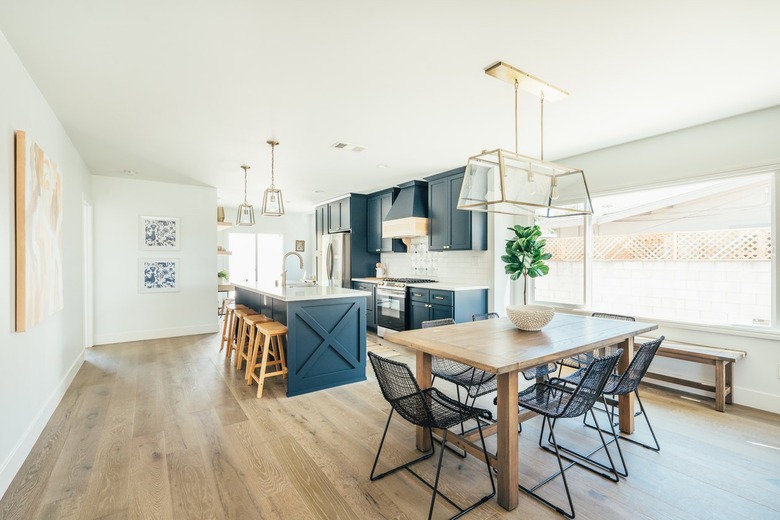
498,347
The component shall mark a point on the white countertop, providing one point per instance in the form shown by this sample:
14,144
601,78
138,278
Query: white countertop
293,294
444,286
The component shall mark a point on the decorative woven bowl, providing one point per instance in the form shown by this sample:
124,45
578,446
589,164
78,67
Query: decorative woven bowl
530,317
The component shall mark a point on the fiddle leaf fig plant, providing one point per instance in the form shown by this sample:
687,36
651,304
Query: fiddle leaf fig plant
525,256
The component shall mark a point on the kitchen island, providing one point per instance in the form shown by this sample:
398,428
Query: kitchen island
326,332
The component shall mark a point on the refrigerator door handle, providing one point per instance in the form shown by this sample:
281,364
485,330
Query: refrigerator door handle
330,262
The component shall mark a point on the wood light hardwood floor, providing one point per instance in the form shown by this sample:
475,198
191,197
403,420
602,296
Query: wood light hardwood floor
167,429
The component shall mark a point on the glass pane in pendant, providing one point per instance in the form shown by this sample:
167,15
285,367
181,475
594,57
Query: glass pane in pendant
273,205
246,215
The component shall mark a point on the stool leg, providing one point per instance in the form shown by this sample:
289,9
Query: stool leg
240,353
263,365
223,340
281,355
251,362
231,335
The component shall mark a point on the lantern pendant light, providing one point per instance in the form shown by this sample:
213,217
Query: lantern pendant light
246,213
273,205
500,181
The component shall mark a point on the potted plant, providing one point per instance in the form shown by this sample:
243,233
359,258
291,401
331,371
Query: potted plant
525,256
223,276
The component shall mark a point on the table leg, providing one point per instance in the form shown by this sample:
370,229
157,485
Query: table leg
424,380
506,447
626,402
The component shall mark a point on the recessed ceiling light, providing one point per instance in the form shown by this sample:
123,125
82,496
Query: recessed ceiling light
130,172
339,145
319,191
381,166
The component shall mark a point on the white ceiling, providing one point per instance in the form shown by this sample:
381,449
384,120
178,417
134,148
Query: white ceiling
187,91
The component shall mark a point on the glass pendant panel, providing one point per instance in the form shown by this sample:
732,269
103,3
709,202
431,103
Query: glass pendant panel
273,205
246,215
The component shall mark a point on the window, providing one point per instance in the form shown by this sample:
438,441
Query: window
255,258
696,253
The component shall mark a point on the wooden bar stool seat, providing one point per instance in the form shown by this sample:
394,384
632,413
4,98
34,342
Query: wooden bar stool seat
228,324
270,354
247,341
240,329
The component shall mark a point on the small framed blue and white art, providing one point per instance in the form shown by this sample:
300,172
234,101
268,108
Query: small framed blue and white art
159,233
158,275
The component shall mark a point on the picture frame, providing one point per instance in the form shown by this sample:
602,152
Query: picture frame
157,275
300,246
159,233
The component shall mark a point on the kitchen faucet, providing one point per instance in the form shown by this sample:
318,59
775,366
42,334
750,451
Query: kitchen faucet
284,270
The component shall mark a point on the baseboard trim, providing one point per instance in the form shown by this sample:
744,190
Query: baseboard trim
141,335
13,463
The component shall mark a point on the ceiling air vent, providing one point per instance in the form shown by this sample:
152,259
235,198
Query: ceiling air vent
347,147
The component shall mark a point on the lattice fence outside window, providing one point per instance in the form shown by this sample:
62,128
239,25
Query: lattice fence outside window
753,244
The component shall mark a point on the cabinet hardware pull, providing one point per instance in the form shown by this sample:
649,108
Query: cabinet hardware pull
438,297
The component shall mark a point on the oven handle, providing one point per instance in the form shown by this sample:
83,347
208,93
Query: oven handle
401,295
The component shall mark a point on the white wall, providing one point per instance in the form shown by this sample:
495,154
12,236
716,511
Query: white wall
292,226
122,313
738,143
38,365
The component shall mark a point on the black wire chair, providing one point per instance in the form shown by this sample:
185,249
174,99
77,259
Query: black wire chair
428,408
531,373
476,382
624,384
553,401
582,360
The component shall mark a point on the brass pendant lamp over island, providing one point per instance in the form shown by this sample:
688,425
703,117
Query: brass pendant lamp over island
273,205
500,181
246,213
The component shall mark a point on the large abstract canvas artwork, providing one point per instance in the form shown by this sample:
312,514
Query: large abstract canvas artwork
158,275
39,286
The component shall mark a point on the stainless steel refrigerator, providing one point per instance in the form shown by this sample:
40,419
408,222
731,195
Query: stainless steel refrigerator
335,264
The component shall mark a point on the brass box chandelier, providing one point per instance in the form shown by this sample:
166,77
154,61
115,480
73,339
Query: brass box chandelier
500,181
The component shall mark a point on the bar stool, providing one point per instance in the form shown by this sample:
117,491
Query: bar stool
272,332
248,340
239,330
228,324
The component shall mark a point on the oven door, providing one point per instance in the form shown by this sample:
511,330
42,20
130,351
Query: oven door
391,308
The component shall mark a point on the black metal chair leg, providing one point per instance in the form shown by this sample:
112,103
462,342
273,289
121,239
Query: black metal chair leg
426,455
561,472
610,410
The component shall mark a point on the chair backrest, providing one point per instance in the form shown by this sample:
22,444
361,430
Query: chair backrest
612,316
438,323
400,389
485,316
591,385
630,379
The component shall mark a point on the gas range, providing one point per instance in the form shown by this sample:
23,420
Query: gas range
401,283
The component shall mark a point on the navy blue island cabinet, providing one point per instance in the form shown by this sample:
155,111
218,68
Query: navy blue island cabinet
326,332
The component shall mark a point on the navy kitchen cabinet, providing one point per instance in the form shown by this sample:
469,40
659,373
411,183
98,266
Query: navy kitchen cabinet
452,229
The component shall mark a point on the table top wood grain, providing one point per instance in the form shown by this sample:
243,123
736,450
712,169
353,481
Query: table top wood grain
497,346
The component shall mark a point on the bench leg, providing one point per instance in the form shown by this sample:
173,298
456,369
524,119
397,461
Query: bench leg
730,382
720,385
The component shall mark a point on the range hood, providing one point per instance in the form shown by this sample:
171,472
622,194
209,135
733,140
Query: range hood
408,216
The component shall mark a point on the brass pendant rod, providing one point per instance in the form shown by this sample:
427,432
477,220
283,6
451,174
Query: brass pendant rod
541,129
517,85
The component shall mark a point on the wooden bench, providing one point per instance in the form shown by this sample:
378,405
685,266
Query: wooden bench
723,360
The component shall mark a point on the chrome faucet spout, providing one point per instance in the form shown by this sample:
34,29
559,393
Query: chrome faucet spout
284,269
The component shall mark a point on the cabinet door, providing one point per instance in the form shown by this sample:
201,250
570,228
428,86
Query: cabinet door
386,201
334,217
418,313
439,312
374,220
370,302
438,215
460,220
346,221
321,226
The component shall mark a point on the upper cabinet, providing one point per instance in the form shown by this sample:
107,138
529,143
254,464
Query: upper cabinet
339,216
377,206
321,225
453,229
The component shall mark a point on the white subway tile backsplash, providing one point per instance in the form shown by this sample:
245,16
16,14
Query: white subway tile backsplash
466,267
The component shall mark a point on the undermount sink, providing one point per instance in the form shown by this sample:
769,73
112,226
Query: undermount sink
300,284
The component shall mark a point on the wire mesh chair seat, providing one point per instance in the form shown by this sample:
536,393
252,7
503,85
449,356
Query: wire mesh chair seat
429,409
530,373
624,384
582,360
553,400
